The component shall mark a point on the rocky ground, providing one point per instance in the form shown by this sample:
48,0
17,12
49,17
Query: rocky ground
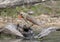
45,21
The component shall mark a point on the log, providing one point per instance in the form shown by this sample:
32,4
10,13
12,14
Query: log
12,3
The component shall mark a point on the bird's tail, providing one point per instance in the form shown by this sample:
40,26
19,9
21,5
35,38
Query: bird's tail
57,29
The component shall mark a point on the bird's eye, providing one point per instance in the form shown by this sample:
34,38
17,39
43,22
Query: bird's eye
20,14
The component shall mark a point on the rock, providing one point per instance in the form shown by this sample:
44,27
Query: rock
11,28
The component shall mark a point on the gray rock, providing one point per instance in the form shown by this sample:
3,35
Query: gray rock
10,28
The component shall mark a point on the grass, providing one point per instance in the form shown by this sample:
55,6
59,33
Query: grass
38,9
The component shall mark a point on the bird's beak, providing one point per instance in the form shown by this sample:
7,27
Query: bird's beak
19,16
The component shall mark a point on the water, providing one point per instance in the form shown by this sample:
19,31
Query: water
19,40
53,37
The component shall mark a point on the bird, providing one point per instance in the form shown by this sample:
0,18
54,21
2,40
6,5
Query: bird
46,32
29,18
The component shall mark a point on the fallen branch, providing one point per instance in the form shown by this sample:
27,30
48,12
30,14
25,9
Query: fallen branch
12,3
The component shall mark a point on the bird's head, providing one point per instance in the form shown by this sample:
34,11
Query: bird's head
22,14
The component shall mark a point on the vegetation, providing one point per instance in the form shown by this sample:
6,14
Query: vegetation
38,9
6,36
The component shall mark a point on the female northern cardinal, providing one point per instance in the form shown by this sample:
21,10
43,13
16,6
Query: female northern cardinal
30,18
